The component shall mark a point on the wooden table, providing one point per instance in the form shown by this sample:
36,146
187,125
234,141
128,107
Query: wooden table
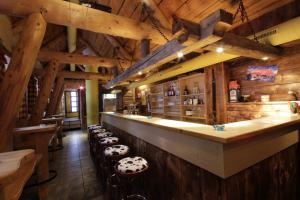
38,138
59,122
15,169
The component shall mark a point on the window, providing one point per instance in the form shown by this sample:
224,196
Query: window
74,102
109,96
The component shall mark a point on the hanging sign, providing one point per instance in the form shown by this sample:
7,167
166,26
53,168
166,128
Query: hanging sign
262,73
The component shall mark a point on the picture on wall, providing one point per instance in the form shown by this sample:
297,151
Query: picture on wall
262,73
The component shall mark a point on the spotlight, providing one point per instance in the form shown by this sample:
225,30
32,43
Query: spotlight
265,58
81,87
140,73
220,50
179,54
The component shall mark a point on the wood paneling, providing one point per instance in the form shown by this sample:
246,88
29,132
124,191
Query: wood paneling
171,178
288,78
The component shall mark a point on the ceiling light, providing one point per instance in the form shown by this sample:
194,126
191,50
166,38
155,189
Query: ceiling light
140,73
179,54
81,87
220,50
265,58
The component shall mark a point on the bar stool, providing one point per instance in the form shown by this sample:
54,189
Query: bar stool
103,143
93,138
112,155
97,148
128,170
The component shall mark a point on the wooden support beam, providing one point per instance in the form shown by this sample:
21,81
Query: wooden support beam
221,75
237,45
120,49
84,75
145,47
70,14
55,97
14,84
74,58
44,94
209,31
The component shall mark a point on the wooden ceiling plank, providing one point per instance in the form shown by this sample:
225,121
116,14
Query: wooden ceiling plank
158,14
74,58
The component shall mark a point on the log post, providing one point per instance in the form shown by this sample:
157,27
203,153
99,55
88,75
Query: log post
55,97
209,90
42,99
221,79
17,76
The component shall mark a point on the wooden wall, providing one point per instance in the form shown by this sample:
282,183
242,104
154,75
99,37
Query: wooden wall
171,178
288,78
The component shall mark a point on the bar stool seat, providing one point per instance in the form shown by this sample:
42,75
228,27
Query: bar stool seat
116,150
108,141
131,166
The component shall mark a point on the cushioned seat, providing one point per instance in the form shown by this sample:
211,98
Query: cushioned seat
132,165
104,135
116,150
109,141
100,130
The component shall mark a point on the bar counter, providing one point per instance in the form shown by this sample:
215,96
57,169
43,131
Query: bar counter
227,157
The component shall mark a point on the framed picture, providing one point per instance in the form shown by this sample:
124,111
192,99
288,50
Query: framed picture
262,73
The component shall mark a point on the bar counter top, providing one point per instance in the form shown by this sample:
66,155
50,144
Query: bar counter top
233,131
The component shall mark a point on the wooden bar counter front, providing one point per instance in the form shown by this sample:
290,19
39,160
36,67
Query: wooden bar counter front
255,159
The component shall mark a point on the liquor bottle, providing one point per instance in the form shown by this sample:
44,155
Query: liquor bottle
186,91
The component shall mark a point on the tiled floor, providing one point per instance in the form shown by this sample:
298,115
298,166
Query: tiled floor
76,177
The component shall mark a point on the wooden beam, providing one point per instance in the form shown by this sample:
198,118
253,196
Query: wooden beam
74,58
120,49
17,76
210,30
237,45
55,97
221,85
84,75
145,47
70,14
44,94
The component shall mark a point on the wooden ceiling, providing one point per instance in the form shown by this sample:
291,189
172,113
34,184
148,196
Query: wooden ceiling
193,10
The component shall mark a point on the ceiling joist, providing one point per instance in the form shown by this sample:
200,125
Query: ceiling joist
74,58
83,75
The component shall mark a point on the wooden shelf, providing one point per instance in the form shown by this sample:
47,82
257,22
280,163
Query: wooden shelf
172,115
193,117
156,94
199,94
200,105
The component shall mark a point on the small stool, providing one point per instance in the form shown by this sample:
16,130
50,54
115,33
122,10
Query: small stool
97,148
112,155
128,169
102,144
92,139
